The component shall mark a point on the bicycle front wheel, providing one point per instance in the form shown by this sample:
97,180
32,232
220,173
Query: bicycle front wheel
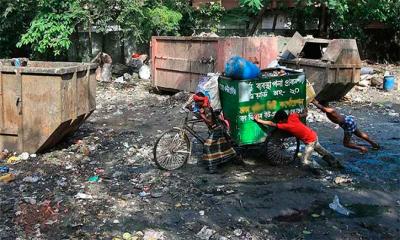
172,149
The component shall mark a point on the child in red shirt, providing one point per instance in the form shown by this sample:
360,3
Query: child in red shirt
293,125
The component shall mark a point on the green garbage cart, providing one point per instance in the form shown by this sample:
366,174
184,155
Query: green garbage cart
275,89
240,99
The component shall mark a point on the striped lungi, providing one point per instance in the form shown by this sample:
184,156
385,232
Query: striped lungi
217,149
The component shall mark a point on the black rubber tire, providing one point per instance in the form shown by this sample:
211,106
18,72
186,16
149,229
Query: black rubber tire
176,160
281,148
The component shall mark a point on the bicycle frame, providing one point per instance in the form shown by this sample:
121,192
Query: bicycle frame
186,127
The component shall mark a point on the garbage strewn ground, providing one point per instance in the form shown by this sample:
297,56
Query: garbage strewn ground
102,184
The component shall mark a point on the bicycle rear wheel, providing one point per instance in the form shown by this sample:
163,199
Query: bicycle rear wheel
172,149
281,148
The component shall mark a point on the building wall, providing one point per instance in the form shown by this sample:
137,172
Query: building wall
227,4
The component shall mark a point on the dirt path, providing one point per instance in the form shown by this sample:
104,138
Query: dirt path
255,201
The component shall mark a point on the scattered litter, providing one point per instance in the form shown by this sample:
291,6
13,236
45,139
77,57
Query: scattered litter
24,156
4,169
156,195
342,180
153,235
120,80
31,179
145,72
94,179
30,200
238,232
127,236
336,206
201,213
83,196
13,159
7,178
306,232
144,194
314,215
205,233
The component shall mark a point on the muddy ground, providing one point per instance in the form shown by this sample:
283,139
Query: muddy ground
255,201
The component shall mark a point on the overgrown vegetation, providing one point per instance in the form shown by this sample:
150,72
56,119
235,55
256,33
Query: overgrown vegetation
47,28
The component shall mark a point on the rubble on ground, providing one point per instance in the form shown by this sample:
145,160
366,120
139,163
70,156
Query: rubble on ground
101,183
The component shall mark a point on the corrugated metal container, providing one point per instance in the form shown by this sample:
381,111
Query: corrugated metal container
332,66
178,62
43,102
265,95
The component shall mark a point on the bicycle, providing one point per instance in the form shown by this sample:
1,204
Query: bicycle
173,148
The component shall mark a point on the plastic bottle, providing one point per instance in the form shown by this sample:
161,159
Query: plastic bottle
4,169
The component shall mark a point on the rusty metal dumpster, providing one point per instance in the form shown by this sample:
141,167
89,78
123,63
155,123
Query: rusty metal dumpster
332,66
43,102
178,62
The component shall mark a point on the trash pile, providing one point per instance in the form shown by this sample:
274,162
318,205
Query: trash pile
137,68
101,183
379,77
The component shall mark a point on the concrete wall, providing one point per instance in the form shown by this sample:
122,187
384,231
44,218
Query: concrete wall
109,43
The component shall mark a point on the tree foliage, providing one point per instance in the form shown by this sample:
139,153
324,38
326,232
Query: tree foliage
52,27
209,16
15,17
46,27
142,19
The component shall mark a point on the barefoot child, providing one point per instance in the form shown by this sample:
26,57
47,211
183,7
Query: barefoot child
292,124
349,126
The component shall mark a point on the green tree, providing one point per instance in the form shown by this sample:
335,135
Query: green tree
15,17
50,30
209,16
142,19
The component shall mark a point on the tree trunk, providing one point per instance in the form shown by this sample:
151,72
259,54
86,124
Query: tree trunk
75,39
323,22
90,37
122,47
275,20
258,20
300,22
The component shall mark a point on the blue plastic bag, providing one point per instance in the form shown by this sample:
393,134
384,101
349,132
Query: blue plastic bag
239,68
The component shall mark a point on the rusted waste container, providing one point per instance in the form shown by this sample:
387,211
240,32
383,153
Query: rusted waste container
43,102
332,66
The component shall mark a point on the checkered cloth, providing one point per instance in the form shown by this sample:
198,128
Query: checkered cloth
349,126
217,149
